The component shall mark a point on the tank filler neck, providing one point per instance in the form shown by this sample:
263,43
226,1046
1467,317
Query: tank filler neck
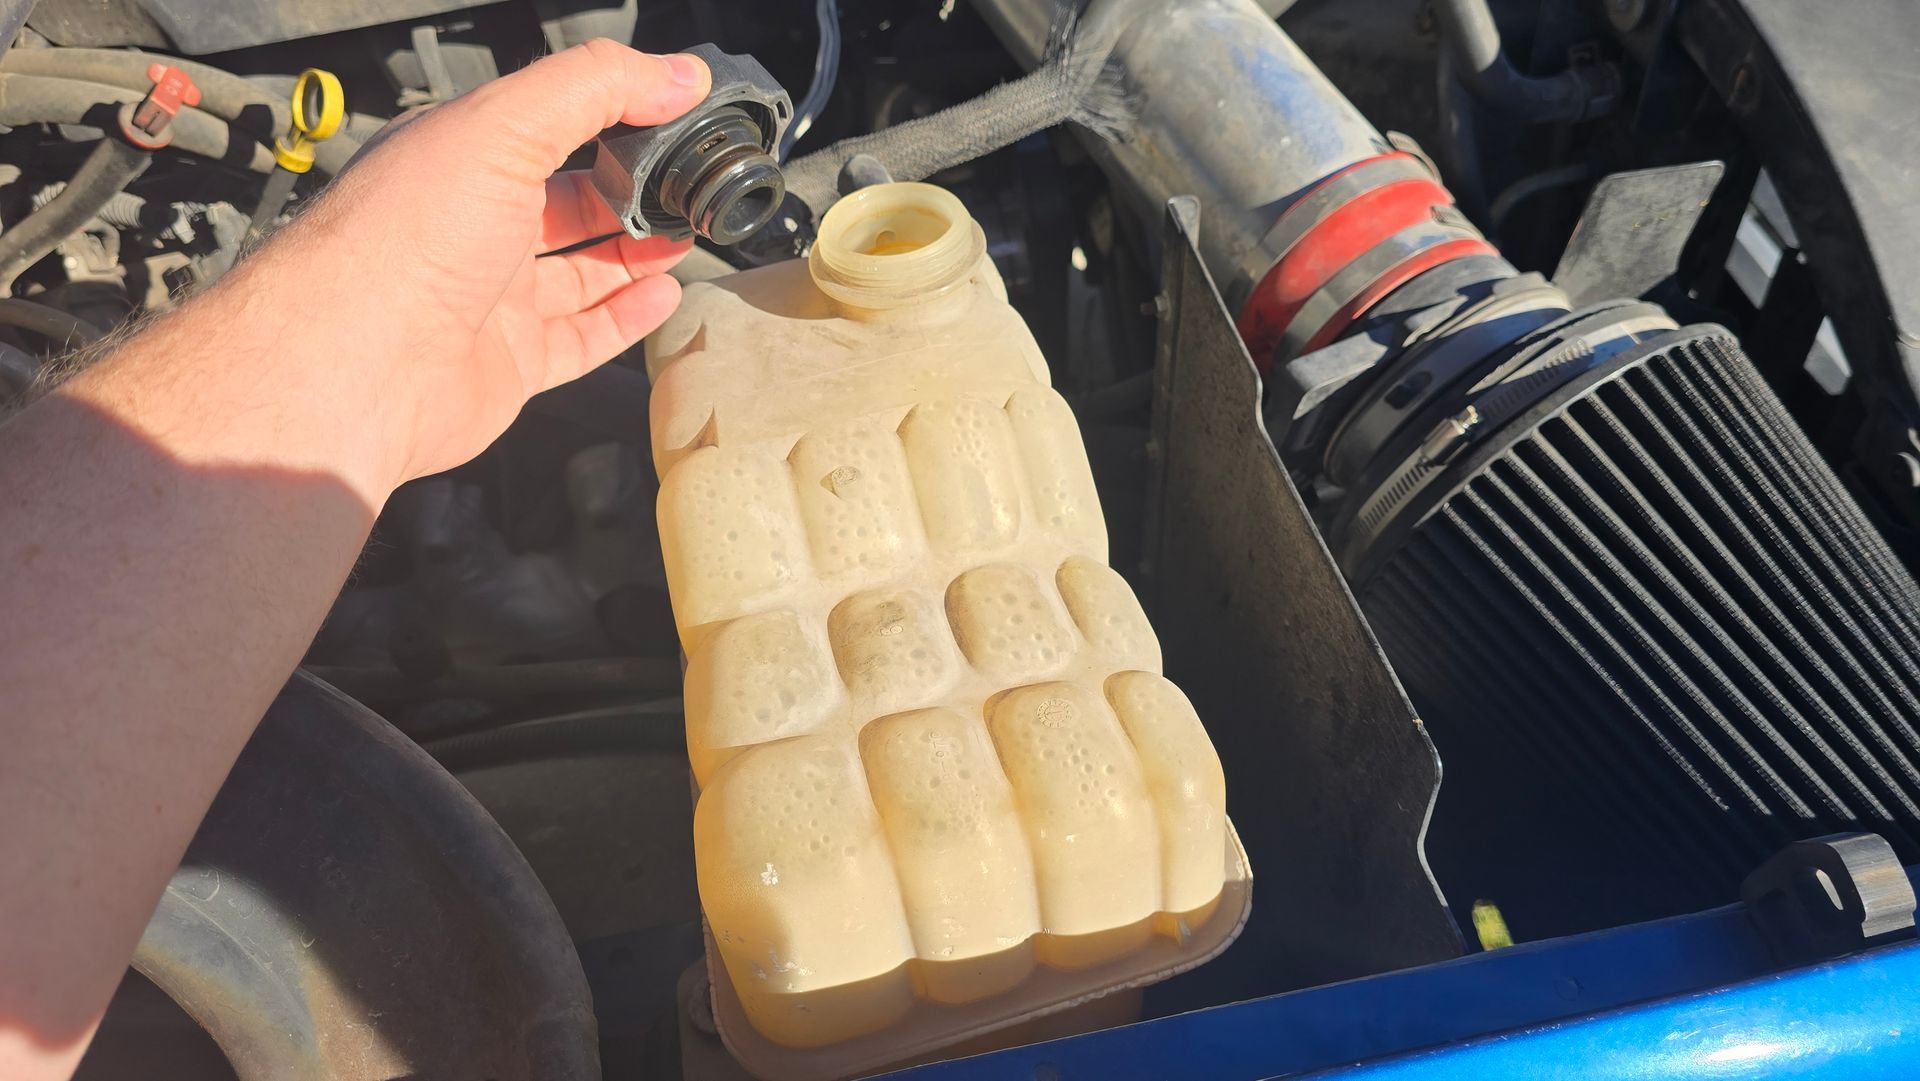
894,246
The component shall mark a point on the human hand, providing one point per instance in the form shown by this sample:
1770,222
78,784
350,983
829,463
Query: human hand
424,252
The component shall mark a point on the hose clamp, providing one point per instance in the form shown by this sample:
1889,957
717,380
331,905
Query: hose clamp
1338,250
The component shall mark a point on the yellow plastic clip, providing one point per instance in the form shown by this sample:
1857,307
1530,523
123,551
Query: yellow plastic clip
319,108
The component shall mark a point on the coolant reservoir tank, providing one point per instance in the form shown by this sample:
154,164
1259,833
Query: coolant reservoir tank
942,784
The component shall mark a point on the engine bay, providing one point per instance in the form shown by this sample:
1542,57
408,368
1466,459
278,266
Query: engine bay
1503,413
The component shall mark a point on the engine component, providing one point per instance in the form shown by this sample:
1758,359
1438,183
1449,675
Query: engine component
1071,84
38,99
1547,527
60,329
1446,410
1257,622
1345,245
710,172
145,126
1581,92
1273,124
319,108
223,96
199,27
943,787
148,123
108,168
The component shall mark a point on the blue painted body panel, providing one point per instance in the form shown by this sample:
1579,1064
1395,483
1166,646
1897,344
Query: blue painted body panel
1695,996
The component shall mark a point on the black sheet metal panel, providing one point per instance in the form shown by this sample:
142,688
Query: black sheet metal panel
1823,90
348,912
1330,776
1657,640
1628,240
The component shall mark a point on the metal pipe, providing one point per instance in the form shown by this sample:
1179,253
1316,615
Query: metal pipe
1228,109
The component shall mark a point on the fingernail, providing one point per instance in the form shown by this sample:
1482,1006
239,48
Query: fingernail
687,70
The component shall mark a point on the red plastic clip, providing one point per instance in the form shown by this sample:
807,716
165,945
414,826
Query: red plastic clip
149,123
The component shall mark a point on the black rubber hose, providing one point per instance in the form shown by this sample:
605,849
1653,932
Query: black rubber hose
222,94
107,169
1485,69
1525,188
608,675
608,731
59,328
1072,85
40,99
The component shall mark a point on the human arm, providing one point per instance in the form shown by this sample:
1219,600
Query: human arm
176,519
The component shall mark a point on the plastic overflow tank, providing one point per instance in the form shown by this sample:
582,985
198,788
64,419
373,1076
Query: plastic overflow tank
942,784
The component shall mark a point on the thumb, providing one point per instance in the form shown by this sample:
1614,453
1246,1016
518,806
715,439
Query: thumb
557,103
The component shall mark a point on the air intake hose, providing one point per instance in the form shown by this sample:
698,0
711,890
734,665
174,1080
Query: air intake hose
1652,635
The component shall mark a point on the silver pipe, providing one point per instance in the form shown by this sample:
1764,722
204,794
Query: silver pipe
1229,109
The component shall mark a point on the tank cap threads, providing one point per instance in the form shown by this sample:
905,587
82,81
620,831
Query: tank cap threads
891,245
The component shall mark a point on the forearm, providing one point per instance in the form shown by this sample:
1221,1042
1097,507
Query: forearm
176,520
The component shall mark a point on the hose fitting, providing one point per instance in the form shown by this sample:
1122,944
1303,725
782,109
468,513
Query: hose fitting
148,123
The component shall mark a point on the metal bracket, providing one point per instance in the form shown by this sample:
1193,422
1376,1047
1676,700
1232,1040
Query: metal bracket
1629,238
1331,776
1830,896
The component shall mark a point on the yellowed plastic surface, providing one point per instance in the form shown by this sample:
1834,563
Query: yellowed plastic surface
936,759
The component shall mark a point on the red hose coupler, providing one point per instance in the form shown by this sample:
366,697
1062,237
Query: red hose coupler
1339,249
